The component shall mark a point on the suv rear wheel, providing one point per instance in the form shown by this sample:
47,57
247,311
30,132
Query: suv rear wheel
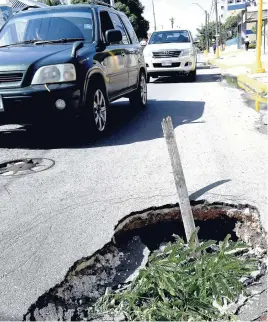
139,97
96,109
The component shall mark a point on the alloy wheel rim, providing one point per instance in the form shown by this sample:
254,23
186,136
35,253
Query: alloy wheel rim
99,110
143,89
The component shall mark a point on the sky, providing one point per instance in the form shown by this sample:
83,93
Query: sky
186,14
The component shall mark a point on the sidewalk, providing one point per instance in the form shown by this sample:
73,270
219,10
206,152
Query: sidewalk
240,63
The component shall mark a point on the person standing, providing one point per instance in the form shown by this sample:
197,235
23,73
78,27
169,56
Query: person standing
246,41
214,47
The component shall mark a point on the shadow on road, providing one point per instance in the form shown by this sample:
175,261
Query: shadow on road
202,191
127,125
201,78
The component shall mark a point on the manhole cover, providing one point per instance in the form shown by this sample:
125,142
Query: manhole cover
25,166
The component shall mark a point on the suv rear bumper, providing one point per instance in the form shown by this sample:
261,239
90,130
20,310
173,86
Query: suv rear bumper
185,64
39,101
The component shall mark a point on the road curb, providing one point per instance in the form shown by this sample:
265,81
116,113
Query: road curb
252,85
215,62
245,82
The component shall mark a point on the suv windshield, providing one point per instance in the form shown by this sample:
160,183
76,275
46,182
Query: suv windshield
45,26
176,36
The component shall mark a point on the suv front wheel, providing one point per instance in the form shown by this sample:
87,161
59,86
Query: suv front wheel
96,109
139,97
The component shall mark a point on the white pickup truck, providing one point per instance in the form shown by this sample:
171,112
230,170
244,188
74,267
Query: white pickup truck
169,53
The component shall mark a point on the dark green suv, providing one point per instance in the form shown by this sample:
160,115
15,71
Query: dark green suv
69,61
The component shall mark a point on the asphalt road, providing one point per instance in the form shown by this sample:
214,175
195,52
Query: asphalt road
53,218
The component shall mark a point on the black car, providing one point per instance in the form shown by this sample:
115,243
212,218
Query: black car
68,61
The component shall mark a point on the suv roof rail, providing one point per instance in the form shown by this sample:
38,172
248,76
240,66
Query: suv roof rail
100,3
29,7
26,8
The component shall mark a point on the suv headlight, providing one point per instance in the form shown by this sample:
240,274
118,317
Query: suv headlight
54,74
187,52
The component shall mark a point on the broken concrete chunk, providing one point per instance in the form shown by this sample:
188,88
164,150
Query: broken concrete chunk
88,280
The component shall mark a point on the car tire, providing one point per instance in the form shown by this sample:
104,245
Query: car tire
148,78
95,116
139,97
192,76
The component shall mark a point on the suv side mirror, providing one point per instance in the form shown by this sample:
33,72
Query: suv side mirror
113,36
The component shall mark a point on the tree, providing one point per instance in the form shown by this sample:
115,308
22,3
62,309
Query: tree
134,10
211,34
228,31
230,27
51,2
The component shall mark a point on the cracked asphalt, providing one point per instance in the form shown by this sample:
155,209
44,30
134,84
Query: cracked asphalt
53,218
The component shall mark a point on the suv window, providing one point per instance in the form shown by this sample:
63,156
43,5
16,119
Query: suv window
106,23
130,29
119,25
48,26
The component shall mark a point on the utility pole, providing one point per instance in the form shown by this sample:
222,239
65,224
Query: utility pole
154,15
259,68
217,29
207,35
172,22
220,33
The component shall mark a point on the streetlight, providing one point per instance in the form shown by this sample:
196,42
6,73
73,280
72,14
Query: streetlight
206,25
259,68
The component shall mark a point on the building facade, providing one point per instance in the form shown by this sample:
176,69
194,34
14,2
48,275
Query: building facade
247,22
228,8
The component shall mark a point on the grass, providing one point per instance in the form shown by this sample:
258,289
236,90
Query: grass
182,282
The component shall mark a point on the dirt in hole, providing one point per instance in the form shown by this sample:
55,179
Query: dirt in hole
135,237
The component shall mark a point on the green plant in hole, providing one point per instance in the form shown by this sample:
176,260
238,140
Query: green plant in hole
182,282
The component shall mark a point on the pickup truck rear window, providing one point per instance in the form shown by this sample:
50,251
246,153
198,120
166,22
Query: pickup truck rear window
176,36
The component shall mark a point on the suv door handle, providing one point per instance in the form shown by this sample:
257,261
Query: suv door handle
123,54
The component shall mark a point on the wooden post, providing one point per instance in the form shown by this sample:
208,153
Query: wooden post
186,211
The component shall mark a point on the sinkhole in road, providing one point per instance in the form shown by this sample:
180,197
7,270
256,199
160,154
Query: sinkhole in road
25,166
135,237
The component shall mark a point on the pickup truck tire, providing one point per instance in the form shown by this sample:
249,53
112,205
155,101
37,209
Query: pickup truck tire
148,78
192,76
139,97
